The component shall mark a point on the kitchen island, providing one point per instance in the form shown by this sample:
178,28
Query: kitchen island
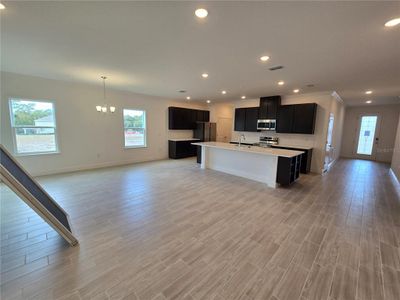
267,165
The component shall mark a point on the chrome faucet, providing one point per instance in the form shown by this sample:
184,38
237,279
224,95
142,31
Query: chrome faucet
240,138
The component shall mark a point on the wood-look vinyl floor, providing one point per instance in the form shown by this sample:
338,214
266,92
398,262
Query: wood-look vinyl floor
169,230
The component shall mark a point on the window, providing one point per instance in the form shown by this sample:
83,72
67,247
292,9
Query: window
34,126
135,128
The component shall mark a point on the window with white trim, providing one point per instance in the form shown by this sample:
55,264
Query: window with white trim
34,126
134,128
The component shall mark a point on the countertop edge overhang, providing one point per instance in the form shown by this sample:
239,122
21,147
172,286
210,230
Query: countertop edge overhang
252,149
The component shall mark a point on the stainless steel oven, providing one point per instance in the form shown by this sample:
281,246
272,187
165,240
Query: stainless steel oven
268,141
266,124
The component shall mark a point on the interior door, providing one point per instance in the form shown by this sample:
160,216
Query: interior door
367,136
224,130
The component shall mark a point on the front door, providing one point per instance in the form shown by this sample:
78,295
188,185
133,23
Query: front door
367,137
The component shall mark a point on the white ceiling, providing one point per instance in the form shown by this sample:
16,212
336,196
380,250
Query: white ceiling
158,48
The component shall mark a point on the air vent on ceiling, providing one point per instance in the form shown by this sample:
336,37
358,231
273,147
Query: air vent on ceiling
276,68
310,85
182,91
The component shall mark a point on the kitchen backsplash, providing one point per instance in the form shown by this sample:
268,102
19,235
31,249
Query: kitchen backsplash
285,139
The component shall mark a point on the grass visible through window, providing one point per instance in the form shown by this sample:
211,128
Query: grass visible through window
34,126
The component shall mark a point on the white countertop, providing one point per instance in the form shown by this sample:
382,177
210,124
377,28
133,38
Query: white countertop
244,143
252,149
182,140
293,146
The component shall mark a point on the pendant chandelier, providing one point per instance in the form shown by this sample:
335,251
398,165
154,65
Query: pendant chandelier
105,108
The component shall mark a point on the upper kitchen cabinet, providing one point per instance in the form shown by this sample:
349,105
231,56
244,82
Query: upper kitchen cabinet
304,118
284,119
185,118
246,119
298,118
251,119
269,107
202,116
176,118
240,119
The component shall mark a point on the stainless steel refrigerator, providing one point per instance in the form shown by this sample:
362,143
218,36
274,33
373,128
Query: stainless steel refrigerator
206,131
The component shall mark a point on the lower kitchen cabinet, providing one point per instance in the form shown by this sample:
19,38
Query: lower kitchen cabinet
182,148
305,157
288,169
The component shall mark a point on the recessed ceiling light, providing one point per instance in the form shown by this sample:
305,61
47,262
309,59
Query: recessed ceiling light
281,82
243,97
264,58
392,22
208,101
201,13
2,6
204,75
188,98
368,92
368,101
223,92
296,91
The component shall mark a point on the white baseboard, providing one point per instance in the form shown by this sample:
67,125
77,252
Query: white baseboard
92,167
394,175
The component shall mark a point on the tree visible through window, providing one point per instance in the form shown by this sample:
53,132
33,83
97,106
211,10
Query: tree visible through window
135,128
34,126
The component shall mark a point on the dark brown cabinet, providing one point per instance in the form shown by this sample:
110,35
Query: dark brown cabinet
185,118
284,120
304,118
240,119
269,107
202,115
298,118
246,119
251,119
288,169
181,149
306,157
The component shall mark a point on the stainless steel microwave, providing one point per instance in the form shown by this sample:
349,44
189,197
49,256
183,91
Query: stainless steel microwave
266,124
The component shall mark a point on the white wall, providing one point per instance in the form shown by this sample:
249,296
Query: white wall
396,154
317,140
338,110
88,139
389,116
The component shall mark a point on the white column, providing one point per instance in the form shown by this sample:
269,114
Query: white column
204,157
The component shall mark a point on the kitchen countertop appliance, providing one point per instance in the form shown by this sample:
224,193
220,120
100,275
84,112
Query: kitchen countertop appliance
268,141
266,124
